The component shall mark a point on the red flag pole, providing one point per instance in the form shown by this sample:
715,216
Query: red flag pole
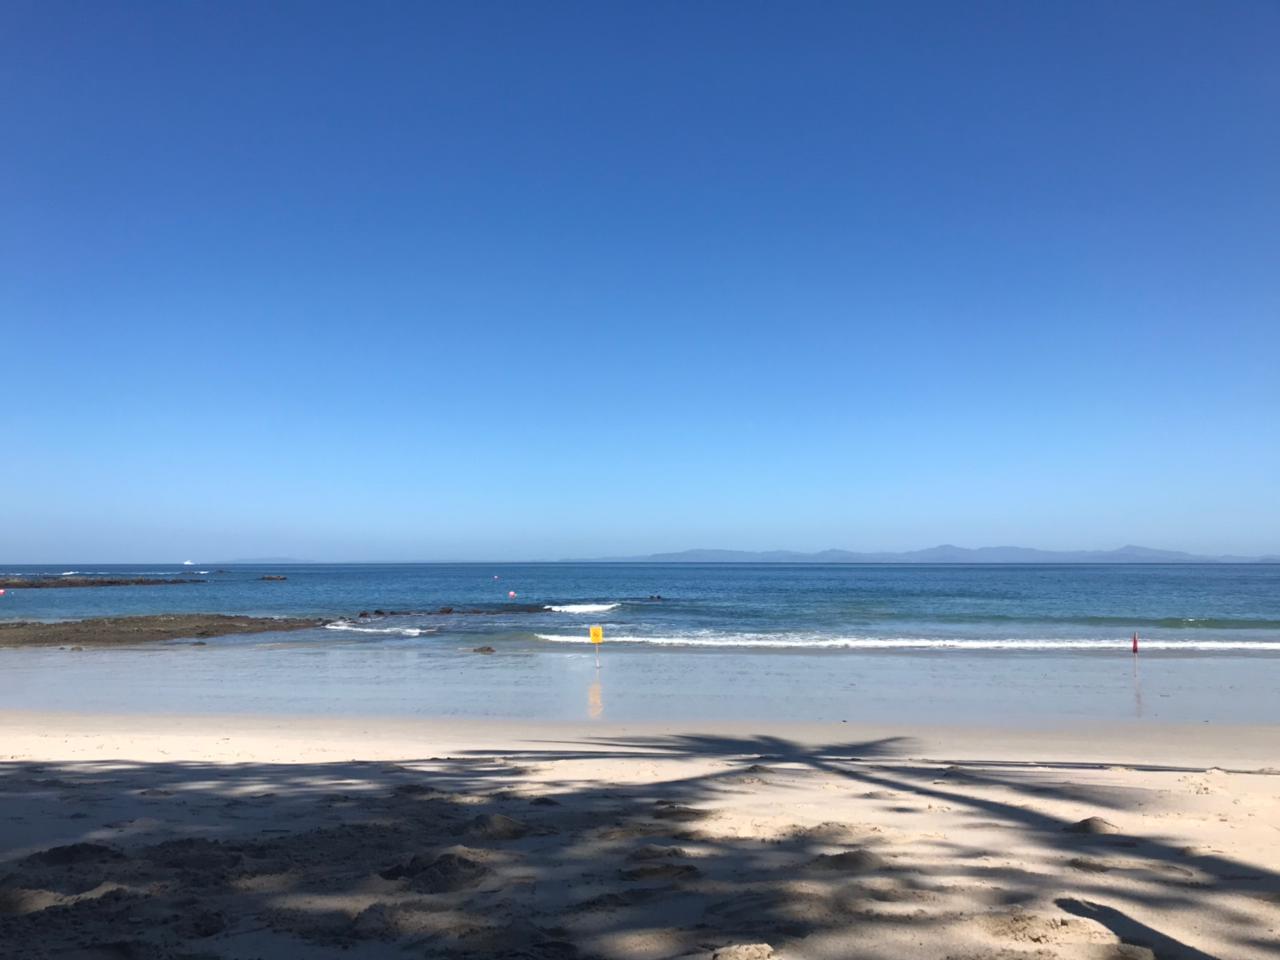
1135,643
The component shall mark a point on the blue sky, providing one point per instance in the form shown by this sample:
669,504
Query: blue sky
512,280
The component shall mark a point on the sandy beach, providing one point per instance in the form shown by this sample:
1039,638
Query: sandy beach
241,837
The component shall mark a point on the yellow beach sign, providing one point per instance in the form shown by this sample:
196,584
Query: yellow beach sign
597,634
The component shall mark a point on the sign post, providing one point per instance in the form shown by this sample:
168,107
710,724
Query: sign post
597,638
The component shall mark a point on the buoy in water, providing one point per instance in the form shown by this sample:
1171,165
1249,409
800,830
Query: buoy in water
511,594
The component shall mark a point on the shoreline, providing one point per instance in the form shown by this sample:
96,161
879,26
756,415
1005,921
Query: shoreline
292,837
1246,748
127,631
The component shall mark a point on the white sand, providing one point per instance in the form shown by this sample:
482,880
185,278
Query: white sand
255,837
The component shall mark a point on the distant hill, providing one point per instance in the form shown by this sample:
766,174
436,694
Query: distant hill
258,561
946,553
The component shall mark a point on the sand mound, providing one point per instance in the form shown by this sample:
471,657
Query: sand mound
851,861
657,870
20,900
745,951
193,854
73,855
829,831
1092,825
458,868
666,810
522,940
495,826
654,851
201,924
390,921
1089,865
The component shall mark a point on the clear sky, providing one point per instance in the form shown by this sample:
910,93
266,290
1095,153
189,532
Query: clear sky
487,280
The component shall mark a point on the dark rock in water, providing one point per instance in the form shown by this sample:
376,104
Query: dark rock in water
73,854
851,861
35,583
379,613
363,614
273,576
1092,825
445,610
484,650
544,802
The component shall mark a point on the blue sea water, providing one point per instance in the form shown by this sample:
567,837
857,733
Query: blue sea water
1025,644
1210,608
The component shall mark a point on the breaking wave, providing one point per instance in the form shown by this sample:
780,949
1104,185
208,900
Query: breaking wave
812,642
349,627
583,607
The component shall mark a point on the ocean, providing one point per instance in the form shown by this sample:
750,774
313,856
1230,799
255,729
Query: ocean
1178,608
889,641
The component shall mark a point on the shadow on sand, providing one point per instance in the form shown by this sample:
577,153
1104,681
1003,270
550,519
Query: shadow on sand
472,855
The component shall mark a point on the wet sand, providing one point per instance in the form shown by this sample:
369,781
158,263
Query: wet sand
125,631
356,837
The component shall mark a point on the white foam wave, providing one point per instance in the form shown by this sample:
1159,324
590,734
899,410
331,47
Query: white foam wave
583,607
349,627
809,642
69,573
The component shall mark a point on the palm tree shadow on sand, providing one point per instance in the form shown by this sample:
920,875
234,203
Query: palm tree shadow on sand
470,855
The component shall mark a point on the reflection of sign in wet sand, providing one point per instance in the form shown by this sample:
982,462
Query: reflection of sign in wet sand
595,700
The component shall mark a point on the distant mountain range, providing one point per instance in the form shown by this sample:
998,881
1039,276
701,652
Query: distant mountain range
946,553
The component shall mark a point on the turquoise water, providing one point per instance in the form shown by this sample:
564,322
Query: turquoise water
1204,609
